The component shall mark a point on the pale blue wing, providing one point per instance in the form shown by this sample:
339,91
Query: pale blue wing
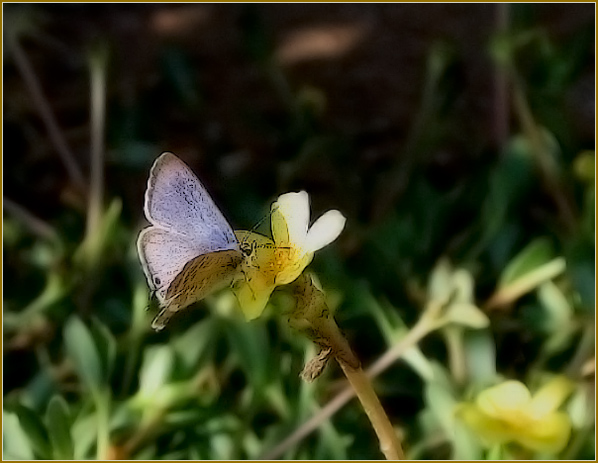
175,200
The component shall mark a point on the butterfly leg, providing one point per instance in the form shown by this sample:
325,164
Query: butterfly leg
161,320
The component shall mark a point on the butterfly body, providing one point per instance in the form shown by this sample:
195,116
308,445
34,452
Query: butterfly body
189,250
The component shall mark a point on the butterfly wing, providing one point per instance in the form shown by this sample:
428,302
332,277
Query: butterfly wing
198,278
186,225
175,200
163,256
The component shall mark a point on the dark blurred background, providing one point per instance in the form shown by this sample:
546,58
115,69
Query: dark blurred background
401,116
261,99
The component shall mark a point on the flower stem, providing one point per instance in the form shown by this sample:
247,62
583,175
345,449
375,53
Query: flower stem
312,316
425,325
389,442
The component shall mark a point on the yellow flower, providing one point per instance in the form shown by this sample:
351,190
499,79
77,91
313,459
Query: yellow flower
280,260
509,413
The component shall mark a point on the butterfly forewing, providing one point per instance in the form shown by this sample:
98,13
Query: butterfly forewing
176,200
199,277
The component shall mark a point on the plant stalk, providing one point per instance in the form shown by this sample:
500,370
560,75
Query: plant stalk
389,442
313,318
420,330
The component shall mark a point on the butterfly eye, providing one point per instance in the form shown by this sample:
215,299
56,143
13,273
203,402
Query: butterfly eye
247,248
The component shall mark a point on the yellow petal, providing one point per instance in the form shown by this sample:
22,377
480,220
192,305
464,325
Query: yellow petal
550,434
290,219
491,430
257,283
253,295
499,401
324,230
550,396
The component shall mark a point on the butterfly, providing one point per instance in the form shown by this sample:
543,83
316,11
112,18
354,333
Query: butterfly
189,250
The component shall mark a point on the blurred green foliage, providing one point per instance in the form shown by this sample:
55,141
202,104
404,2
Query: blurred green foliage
84,375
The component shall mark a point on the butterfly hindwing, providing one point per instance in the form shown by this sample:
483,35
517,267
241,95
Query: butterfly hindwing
163,255
199,277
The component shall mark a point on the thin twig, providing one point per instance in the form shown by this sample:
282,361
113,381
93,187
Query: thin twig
453,336
46,114
311,425
547,167
34,224
97,114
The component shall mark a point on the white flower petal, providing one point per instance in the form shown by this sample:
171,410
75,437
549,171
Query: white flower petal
324,230
292,210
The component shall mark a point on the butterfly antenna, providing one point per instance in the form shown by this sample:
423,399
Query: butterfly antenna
255,227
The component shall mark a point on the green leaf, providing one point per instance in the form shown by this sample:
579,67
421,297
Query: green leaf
58,423
35,430
560,339
580,410
222,444
53,292
394,329
557,309
195,342
332,444
466,446
252,445
442,405
419,362
106,346
510,181
526,283
440,284
278,399
92,249
40,389
82,350
584,166
529,269
156,369
467,315
581,269
539,252
16,443
480,356
85,435
463,284
496,452
249,341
